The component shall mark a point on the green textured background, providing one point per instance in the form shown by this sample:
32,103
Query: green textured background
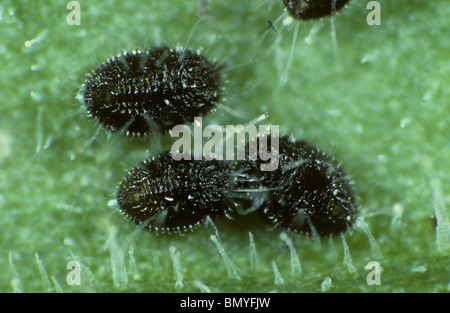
378,99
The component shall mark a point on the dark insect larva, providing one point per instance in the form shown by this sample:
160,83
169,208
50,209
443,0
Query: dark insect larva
309,193
312,9
165,195
151,91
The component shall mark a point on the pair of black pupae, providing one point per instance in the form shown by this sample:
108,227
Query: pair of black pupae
308,193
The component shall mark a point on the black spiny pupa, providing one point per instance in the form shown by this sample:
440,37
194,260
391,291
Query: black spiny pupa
166,196
309,193
312,9
151,91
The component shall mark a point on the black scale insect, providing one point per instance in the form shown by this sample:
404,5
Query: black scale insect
312,9
166,196
309,193
151,91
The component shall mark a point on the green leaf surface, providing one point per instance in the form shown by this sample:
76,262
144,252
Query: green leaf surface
375,97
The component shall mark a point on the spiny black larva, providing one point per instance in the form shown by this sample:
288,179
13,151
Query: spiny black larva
309,193
151,91
312,9
169,196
